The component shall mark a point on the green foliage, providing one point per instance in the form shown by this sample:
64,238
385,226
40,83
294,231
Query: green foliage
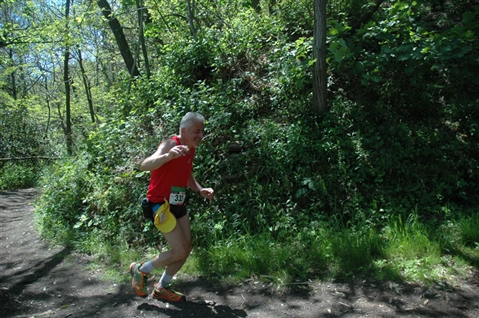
469,233
23,148
413,253
396,57
19,176
264,257
21,132
353,192
98,195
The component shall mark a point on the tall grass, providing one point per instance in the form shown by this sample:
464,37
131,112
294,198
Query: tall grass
405,250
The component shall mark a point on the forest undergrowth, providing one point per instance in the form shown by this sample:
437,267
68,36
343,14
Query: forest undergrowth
383,184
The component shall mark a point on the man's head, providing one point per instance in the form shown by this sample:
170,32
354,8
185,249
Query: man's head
192,129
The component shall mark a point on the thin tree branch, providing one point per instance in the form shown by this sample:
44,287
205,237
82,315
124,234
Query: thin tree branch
30,158
366,17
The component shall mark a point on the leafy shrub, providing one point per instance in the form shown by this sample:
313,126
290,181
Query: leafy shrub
23,146
291,185
99,192
19,176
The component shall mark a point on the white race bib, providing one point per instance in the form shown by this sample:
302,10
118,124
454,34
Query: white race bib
177,195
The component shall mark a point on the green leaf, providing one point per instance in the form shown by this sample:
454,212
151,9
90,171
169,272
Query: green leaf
468,17
425,50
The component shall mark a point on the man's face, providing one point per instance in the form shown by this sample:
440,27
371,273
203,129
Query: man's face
193,134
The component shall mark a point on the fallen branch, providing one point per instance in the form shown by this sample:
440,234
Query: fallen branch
28,158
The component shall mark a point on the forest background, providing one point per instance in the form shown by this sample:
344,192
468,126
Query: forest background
381,181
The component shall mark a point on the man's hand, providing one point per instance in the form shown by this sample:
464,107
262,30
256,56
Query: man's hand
178,151
207,193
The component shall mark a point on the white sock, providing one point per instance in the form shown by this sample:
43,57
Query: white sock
147,267
164,280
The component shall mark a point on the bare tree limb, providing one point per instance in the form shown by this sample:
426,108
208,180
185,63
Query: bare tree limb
29,158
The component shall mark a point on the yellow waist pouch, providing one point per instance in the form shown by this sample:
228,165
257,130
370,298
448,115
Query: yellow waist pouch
164,220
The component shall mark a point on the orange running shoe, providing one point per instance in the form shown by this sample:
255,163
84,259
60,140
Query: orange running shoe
139,280
167,294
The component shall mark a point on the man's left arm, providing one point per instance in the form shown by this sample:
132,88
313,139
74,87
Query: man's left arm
207,193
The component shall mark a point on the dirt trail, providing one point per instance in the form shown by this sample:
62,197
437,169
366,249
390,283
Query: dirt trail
37,280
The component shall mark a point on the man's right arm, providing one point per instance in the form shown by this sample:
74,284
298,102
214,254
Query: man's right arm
160,157
168,150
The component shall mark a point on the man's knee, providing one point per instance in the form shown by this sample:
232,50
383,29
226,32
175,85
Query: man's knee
183,253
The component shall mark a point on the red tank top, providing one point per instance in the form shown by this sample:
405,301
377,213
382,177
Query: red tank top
174,173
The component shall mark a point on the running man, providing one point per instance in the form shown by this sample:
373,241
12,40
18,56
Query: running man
171,172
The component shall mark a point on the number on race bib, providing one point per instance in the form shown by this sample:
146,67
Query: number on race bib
177,195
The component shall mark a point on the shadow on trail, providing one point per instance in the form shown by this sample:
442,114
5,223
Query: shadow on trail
37,271
189,309
18,281
408,300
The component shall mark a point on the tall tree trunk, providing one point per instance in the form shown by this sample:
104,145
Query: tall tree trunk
190,4
141,12
13,77
66,80
120,37
87,86
137,65
319,101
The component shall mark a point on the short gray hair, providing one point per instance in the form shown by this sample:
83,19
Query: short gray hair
189,118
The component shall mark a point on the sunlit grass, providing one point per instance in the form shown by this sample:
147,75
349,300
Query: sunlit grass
417,253
405,250
470,231
354,251
243,257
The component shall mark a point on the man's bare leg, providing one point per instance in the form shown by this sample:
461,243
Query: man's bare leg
160,291
180,243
